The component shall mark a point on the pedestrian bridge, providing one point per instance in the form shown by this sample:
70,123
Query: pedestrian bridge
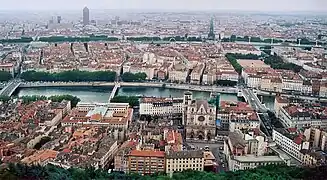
114,91
10,88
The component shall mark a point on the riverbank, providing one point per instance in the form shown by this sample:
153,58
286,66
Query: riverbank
101,94
225,90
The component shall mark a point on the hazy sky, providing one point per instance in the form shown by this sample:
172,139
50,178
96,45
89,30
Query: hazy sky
245,5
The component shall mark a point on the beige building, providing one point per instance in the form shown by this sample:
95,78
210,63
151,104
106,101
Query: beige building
199,118
146,162
279,103
323,89
271,84
183,160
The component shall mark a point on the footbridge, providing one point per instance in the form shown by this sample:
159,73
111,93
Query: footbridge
114,91
10,88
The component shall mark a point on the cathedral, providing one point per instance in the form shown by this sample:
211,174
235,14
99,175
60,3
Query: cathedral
198,118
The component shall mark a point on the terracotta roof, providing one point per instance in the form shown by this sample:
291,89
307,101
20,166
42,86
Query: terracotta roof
96,117
147,153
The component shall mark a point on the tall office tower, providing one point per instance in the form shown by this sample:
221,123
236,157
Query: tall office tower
211,35
58,19
86,16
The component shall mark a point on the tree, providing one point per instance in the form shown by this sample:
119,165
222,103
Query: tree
59,98
238,68
270,172
276,62
226,83
5,76
233,38
132,100
66,76
137,77
56,98
4,98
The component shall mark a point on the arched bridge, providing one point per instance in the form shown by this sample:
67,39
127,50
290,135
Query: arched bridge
10,88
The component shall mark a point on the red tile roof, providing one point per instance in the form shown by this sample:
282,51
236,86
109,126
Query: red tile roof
147,153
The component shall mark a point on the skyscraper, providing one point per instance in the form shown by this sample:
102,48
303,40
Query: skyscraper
211,35
58,19
86,16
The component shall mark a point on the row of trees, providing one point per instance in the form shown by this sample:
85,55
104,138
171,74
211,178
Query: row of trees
276,62
4,98
226,83
131,77
238,68
171,38
132,100
5,76
245,56
232,38
19,40
145,38
303,41
50,172
54,39
56,98
66,76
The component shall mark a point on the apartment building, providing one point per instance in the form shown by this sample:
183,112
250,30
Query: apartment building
237,116
184,160
300,116
116,115
308,145
161,106
290,141
146,161
247,151
8,67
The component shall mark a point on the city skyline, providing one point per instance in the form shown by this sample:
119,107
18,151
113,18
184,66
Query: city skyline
238,5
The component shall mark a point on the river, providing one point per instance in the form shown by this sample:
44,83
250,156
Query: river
101,94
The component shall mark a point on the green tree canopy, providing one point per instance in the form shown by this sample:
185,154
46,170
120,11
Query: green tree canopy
137,77
132,100
56,98
276,62
5,76
270,172
66,76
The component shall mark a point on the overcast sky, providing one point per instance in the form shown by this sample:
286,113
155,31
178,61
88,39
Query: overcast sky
244,5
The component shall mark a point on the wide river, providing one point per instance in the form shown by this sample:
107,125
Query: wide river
101,94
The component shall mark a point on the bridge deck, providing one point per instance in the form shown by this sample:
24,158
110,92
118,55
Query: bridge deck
10,88
114,91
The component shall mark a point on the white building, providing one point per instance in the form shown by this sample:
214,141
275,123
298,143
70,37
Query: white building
296,116
289,141
253,161
247,151
161,106
176,75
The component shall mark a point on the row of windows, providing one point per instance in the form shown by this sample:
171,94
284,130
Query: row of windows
182,169
185,165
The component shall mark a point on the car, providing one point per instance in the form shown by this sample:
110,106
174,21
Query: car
206,148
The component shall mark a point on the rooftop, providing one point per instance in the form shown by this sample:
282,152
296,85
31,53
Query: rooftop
256,159
147,153
184,154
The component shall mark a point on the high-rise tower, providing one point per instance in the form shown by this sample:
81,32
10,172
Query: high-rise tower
211,35
86,16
